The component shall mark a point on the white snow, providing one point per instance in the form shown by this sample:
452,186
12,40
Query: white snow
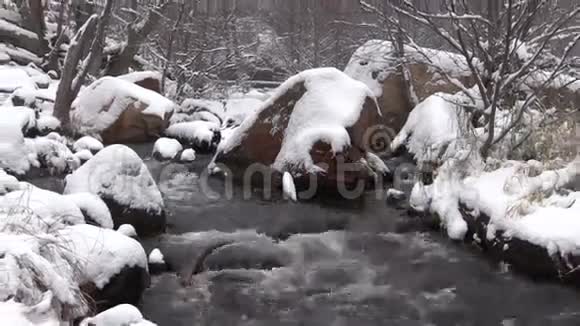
167,148
195,131
377,56
238,109
288,186
121,315
14,152
102,253
188,155
88,142
199,109
100,104
156,257
127,230
118,173
93,207
52,151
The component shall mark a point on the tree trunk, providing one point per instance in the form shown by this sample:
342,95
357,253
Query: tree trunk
64,94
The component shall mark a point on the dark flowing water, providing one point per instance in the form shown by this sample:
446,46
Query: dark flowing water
327,262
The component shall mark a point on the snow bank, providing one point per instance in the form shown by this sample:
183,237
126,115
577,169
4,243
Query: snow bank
121,315
373,62
166,148
117,173
100,104
93,208
88,142
102,253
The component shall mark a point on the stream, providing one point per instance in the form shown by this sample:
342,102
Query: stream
330,262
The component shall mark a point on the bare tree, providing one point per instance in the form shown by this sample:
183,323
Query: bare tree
75,68
508,46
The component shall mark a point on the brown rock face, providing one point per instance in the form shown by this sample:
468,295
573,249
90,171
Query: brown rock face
152,84
133,126
264,139
393,103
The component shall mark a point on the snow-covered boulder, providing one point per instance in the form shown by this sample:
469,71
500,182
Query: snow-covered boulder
52,153
376,63
112,268
15,154
118,176
157,262
13,78
150,80
84,155
203,136
121,315
118,111
314,125
166,149
88,143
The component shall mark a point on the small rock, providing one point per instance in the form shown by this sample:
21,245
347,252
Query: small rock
187,155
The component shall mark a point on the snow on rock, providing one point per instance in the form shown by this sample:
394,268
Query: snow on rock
435,131
20,55
93,208
15,155
430,71
127,230
156,257
187,155
288,186
119,176
102,253
88,143
118,111
52,210
166,149
22,117
203,136
121,315
313,120
52,153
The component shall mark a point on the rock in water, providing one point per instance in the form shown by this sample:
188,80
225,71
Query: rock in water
120,315
203,136
166,149
315,125
119,176
113,268
118,111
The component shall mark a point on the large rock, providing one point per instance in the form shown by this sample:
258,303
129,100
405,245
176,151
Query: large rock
112,268
118,111
121,179
315,125
376,64
20,37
